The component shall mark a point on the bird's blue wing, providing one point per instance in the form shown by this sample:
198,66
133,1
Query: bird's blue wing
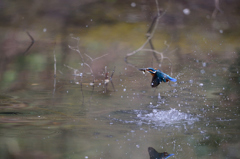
170,78
155,81
169,155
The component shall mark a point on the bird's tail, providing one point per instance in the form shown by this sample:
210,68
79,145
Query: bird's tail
171,79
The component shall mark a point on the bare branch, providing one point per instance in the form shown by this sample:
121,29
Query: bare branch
95,58
90,70
100,57
150,35
55,65
30,44
88,56
217,8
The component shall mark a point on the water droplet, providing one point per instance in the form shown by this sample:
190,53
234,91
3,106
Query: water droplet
44,30
202,71
186,11
204,64
124,90
133,4
137,146
159,96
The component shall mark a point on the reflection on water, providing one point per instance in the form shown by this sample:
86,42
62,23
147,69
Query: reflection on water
61,100
155,155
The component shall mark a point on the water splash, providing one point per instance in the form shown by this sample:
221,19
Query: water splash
166,117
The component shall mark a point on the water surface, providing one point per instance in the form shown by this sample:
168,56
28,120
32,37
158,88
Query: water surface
71,117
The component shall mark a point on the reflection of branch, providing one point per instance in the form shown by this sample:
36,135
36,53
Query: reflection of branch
30,44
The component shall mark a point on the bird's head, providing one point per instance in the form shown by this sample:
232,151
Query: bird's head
151,70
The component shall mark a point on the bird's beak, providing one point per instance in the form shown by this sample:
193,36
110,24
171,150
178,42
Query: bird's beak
142,69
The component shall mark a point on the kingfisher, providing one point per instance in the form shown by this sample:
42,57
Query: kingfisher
155,155
158,76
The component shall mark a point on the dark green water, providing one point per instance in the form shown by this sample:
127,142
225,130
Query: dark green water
66,117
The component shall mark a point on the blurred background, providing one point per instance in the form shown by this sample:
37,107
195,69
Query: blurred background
57,99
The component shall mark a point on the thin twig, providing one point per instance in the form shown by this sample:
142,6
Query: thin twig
150,35
95,58
112,72
100,57
55,72
70,67
30,44
90,70
89,56
55,65
77,48
217,8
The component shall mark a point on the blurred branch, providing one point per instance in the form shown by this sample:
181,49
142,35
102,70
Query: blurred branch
30,44
55,65
55,72
108,79
95,58
217,8
76,48
150,34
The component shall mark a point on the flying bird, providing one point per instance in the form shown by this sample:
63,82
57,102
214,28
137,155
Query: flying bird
158,76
